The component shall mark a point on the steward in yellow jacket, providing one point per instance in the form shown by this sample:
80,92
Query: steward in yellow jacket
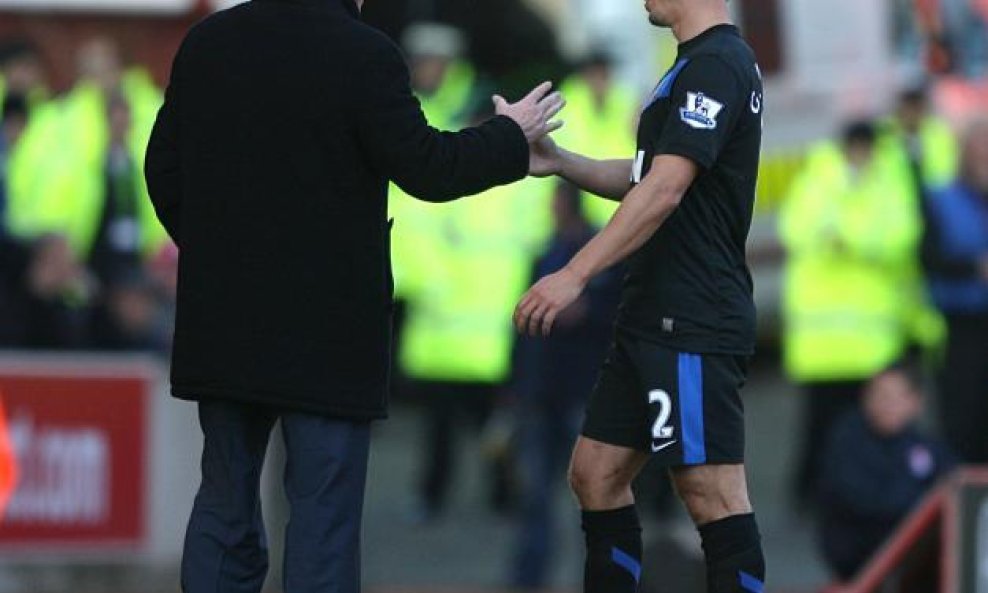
59,175
601,117
850,226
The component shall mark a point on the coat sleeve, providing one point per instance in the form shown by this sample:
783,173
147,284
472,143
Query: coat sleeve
162,165
426,163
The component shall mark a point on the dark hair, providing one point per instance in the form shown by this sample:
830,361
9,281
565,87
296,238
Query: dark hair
917,94
598,57
14,105
860,131
16,48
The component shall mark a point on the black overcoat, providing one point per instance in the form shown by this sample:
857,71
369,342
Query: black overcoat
269,165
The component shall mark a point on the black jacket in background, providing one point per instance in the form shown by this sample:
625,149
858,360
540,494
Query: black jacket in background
868,484
269,164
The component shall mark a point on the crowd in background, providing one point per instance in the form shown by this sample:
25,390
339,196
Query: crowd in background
885,231
84,262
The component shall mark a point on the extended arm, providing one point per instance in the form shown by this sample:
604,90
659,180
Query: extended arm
641,213
441,166
609,179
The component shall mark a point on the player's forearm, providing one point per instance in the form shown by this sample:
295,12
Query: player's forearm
641,214
609,179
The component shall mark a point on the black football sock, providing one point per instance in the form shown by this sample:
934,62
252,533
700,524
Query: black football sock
733,549
614,551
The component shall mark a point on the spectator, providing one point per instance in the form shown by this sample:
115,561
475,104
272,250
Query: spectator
553,379
456,342
955,253
36,278
601,115
13,120
443,82
923,146
440,78
843,315
877,465
21,72
921,140
60,173
45,295
116,247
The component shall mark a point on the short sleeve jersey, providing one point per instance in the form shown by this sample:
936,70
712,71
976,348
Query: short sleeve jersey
689,286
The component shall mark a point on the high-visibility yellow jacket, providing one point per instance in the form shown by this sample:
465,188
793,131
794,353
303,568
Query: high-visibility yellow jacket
476,256
938,168
57,171
444,109
461,266
938,147
848,242
604,133
34,97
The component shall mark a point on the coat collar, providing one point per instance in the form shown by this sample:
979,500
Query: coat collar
349,6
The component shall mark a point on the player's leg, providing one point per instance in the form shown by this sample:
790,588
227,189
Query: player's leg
607,457
600,476
325,474
716,497
225,546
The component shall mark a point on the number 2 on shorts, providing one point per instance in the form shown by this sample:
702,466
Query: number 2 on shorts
659,429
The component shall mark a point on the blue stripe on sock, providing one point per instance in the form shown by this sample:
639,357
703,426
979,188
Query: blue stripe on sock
628,563
750,583
691,408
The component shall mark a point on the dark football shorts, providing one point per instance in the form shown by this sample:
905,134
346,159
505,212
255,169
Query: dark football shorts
684,409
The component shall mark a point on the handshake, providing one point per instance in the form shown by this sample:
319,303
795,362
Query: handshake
534,114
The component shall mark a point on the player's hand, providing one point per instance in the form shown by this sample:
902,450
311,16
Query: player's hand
538,309
544,158
534,113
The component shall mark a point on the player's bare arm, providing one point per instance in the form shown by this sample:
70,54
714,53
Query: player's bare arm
609,179
641,213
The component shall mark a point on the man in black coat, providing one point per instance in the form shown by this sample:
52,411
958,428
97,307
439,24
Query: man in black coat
268,166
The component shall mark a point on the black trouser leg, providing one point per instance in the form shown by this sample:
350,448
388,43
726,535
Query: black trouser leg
964,388
824,404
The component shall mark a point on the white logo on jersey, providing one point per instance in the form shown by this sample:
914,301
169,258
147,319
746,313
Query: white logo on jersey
756,102
700,111
636,171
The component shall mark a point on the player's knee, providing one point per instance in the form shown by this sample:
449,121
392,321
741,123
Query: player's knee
598,488
712,495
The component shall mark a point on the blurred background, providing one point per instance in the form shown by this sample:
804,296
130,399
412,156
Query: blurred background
868,397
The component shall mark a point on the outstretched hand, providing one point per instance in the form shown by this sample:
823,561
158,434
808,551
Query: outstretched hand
544,158
538,309
534,113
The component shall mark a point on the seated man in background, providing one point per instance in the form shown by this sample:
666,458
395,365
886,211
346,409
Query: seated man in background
877,465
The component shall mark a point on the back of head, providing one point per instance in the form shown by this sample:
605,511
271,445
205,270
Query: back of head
433,40
858,140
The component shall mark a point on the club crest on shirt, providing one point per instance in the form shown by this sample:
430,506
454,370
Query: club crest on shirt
700,111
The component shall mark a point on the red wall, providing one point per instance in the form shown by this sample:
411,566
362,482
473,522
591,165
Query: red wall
148,40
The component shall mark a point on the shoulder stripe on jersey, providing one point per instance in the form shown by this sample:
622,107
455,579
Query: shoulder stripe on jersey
664,88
